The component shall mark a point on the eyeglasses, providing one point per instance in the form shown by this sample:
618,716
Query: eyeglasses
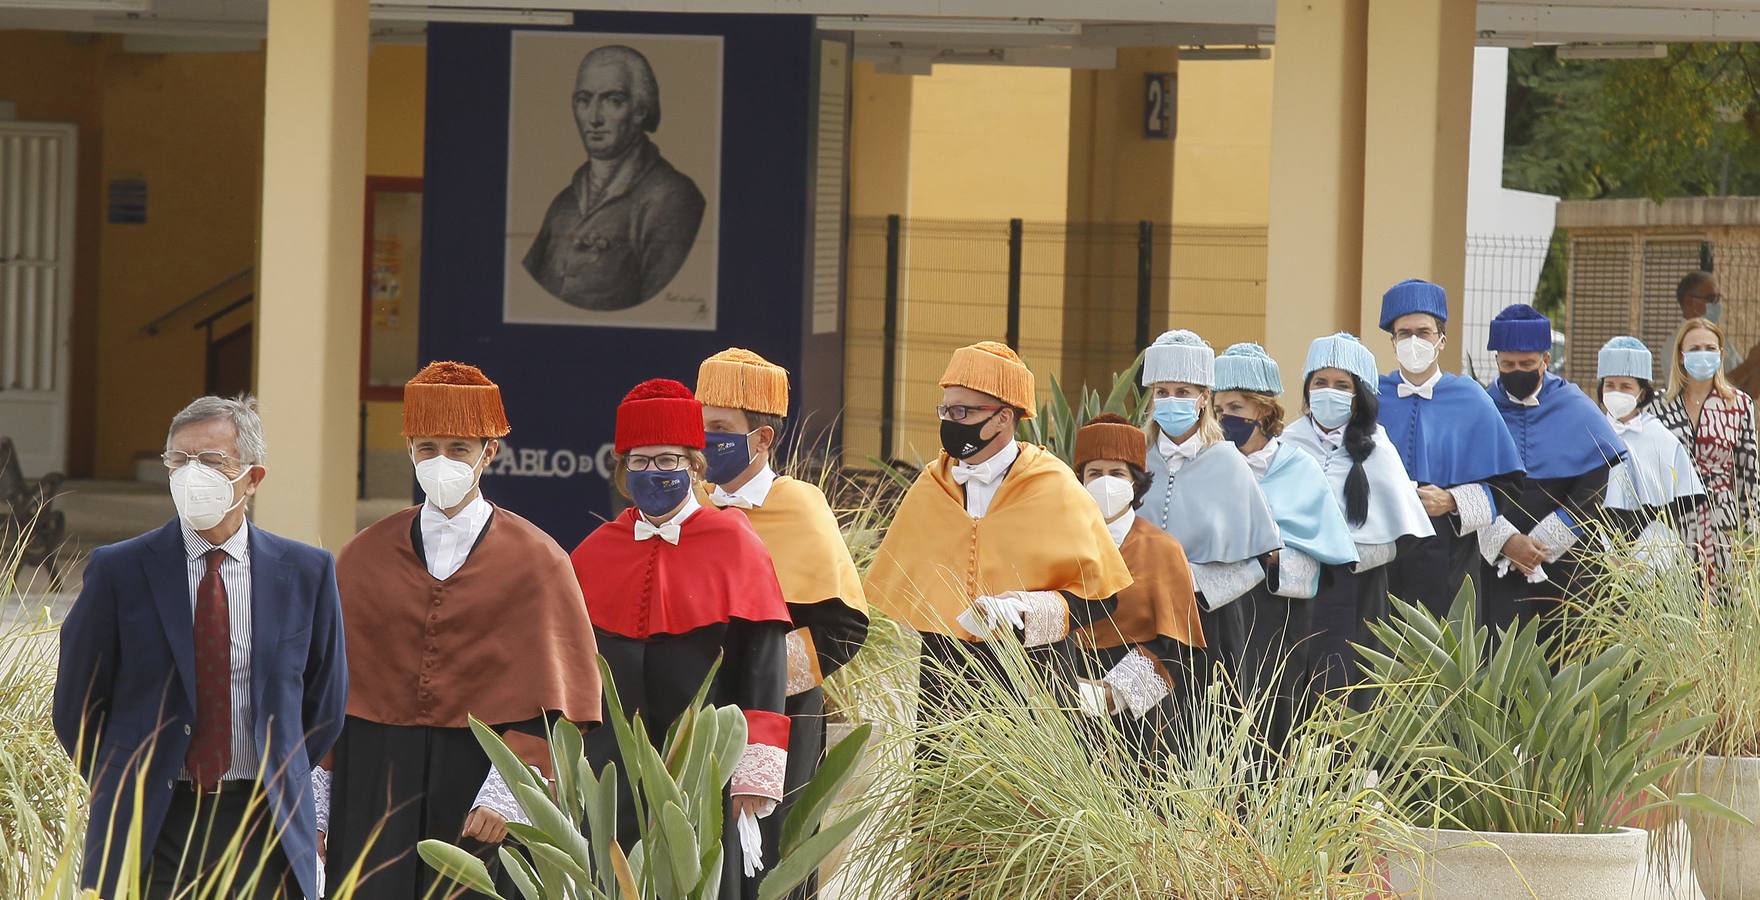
1708,298
957,413
664,462
213,459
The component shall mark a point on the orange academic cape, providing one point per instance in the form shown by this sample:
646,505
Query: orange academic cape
812,561
1042,532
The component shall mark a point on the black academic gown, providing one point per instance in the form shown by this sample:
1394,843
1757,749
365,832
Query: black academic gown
1432,570
659,676
412,783
838,632
1510,599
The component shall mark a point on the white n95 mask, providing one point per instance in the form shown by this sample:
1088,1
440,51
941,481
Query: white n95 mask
1114,494
1415,354
203,495
446,481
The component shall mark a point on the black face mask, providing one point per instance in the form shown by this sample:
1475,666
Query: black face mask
1520,385
963,441
1237,429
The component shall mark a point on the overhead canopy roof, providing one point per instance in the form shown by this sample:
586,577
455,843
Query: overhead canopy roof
912,34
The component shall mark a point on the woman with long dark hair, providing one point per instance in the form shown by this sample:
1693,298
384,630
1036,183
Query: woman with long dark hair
1339,392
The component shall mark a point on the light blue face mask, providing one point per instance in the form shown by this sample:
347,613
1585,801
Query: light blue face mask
1176,415
1331,408
1714,312
1702,364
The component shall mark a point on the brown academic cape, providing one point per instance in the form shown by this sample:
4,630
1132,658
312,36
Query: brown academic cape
505,639
1161,601
1042,532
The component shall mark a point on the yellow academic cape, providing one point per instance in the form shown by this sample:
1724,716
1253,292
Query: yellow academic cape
813,564
1042,532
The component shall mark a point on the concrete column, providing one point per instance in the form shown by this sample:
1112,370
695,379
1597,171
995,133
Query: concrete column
309,273
1417,122
1314,254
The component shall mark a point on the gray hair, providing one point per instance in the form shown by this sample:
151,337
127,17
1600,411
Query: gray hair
644,88
241,411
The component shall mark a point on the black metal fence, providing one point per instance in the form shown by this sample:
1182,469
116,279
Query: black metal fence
1077,300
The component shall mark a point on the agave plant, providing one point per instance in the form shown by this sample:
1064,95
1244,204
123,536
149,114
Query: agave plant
1055,425
679,791
1494,739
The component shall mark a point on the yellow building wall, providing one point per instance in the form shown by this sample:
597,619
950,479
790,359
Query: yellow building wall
1221,200
191,125
397,90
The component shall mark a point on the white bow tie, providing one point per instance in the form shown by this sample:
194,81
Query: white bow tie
1407,389
981,474
723,499
667,532
1621,427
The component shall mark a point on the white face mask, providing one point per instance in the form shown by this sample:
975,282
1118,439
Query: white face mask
203,495
1619,404
447,481
1114,494
1415,354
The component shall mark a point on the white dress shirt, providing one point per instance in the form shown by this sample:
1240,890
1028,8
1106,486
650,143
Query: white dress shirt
750,495
1260,460
1177,454
448,542
235,574
1120,528
982,480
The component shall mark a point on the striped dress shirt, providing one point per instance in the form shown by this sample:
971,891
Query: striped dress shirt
235,573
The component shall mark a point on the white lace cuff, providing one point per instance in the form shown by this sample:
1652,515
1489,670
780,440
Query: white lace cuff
1373,556
1472,505
803,671
1492,538
1047,617
760,772
1135,684
1298,575
495,795
1555,535
1220,584
321,797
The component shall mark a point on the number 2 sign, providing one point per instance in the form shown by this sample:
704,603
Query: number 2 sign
1160,104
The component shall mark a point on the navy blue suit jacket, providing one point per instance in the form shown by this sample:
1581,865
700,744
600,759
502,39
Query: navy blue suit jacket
125,692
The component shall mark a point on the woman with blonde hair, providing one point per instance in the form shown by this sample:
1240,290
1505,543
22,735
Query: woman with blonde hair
1203,493
1280,613
1716,423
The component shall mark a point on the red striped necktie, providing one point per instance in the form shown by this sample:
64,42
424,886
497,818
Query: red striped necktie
210,750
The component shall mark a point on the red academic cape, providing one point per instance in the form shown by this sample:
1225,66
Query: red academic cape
718,572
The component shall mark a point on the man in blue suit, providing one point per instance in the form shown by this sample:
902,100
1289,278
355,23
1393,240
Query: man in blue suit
203,666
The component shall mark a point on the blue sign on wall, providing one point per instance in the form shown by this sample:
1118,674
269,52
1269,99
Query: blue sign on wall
561,382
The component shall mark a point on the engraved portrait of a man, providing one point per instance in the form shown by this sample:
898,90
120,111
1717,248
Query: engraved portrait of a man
618,233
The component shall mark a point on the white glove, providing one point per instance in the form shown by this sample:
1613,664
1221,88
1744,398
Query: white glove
1504,566
751,845
1008,610
1094,698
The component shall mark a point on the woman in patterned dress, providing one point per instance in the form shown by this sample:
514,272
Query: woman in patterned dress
1716,423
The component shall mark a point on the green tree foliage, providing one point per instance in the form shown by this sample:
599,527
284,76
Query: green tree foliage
1686,125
